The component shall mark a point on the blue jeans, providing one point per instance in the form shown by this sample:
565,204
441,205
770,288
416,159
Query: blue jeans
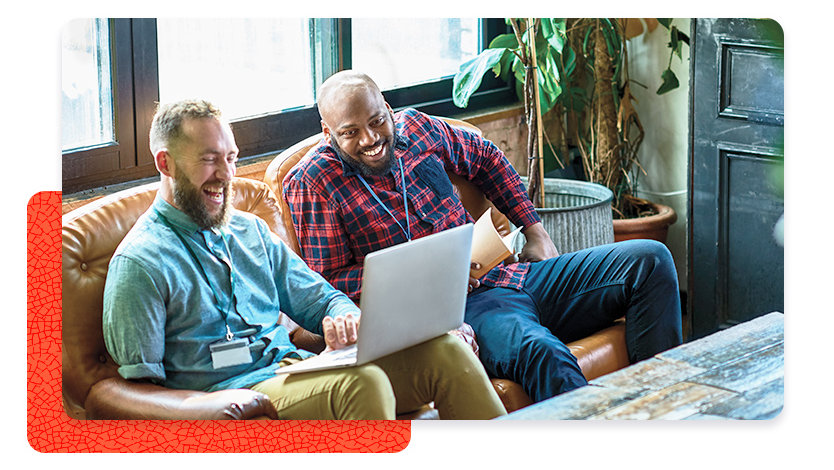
522,334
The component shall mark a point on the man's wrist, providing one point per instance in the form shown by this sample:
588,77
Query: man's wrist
535,231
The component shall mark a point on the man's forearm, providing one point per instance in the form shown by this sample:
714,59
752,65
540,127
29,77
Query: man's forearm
535,231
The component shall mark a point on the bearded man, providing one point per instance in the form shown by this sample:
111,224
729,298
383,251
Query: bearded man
380,178
194,292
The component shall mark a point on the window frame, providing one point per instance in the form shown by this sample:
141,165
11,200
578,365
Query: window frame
135,82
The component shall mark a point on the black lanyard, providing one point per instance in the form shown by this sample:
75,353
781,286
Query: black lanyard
223,312
407,229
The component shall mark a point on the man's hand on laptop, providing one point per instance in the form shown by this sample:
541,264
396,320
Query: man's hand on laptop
339,332
473,282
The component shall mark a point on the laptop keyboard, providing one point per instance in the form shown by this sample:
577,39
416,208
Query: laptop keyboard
343,353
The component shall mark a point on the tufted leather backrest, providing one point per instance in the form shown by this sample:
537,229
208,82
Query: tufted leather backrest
90,235
472,198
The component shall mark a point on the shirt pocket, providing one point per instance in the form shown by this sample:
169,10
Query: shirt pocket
431,173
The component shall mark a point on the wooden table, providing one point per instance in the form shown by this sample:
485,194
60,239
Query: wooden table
737,373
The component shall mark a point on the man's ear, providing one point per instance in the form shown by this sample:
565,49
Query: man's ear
325,130
164,162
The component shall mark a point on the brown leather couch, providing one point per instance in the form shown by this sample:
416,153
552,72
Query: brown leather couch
92,387
598,354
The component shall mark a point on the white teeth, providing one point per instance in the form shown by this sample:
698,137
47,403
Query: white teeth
214,194
373,152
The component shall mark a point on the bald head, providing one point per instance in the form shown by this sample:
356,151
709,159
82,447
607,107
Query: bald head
357,122
341,88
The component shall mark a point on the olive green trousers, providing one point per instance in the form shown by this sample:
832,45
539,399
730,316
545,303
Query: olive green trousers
443,370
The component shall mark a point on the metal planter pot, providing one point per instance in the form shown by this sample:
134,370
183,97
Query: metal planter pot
577,214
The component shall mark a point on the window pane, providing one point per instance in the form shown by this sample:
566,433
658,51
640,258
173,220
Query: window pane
246,67
404,51
86,104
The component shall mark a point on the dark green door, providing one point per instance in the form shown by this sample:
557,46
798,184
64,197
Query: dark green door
736,265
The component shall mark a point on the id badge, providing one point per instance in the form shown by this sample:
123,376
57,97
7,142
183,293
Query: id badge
230,353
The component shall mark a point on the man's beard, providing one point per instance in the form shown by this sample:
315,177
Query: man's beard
365,169
189,199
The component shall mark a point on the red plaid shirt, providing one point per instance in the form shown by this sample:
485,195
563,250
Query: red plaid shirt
338,221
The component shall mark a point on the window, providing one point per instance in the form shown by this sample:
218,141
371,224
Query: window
86,104
256,66
406,51
263,73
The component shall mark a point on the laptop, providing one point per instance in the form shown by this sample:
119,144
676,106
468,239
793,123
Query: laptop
411,293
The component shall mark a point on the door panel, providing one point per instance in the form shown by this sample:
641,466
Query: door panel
737,104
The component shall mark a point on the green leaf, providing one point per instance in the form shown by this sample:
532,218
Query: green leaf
471,73
553,30
549,91
504,40
675,43
504,66
569,59
542,50
586,39
670,82
546,101
518,69
665,22
549,77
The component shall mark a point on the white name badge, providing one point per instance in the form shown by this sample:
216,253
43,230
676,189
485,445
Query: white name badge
230,353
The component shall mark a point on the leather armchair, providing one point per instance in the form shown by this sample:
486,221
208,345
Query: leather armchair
598,354
92,387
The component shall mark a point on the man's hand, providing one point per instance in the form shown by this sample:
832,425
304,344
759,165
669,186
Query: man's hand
229,404
539,246
467,335
473,282
339,332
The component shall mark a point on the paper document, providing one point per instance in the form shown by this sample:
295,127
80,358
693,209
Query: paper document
488,247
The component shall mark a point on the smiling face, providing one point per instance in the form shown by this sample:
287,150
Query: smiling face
360,127
204,163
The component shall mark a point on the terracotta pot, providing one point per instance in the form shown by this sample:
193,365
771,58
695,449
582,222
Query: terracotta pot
654,227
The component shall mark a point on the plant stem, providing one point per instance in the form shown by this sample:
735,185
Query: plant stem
534,71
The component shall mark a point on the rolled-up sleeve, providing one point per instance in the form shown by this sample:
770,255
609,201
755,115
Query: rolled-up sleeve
134,320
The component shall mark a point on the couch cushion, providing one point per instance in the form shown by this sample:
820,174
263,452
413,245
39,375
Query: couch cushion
90,235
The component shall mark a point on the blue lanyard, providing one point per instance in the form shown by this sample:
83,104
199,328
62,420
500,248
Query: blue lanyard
407,229
223,311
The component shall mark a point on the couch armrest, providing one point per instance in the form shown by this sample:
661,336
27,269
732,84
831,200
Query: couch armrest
117,398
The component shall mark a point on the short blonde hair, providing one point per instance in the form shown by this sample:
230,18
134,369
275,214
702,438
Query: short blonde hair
166,127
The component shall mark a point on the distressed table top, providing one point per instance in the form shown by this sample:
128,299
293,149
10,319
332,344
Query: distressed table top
737,373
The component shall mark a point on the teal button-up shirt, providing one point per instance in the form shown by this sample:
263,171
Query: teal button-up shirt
163,308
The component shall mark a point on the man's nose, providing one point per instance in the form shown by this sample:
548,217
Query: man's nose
226,170
368,138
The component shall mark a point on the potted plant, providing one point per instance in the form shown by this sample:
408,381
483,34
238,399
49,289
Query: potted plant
582,90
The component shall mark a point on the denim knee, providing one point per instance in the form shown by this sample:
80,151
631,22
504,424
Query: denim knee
651,250
651,258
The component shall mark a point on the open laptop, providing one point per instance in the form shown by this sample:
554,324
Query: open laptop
411,293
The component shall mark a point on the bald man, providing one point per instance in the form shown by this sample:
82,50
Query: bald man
380,178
